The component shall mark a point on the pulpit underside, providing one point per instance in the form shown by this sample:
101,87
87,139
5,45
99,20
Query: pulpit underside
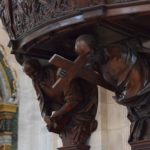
41,28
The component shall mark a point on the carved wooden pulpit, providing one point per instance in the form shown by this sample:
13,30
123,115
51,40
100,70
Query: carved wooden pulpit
39,29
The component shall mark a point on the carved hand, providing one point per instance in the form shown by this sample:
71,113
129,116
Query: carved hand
61,73
47,119
50,122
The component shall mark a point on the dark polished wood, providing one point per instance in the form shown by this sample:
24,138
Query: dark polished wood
141,145
75,147
34,23
73,101
84,73
71,74
41,28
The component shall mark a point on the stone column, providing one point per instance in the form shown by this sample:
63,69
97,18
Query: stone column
7,112
75,147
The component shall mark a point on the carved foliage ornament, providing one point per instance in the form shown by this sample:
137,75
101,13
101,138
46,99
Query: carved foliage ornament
119,1
21,16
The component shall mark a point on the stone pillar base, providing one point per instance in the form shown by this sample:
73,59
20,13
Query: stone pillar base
141,145
75,147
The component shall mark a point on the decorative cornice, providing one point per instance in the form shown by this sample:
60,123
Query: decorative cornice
23,16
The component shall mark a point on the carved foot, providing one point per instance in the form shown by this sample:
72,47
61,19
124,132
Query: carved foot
75,147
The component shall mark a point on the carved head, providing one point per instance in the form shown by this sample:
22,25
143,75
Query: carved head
85,44
116,63
32,68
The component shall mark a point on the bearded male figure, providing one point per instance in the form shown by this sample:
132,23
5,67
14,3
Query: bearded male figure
128,74
74,108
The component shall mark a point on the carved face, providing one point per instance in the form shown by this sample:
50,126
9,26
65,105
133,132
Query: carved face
81,48
30,71
114,67
110,71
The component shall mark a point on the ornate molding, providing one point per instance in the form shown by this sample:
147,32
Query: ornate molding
28,21
23,16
